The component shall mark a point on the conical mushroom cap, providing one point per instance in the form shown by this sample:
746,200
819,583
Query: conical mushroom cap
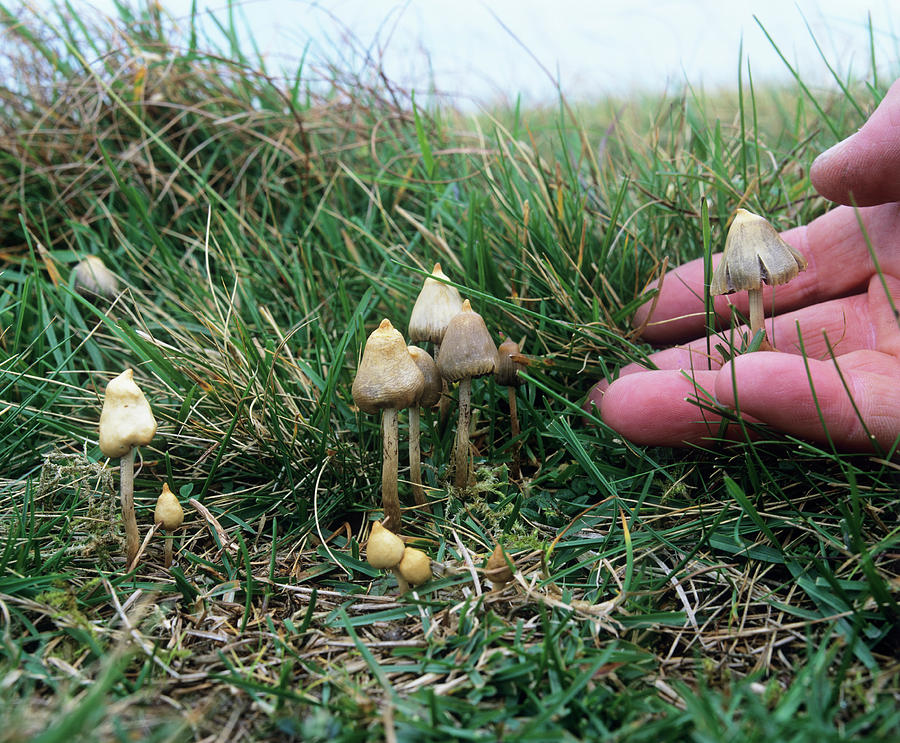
431,392
92,277
508,363
126,419
467,349
168,511
387,376
755,254
497,570
415,566
435,306
384,548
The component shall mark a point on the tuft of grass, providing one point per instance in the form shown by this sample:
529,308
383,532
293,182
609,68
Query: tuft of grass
262,224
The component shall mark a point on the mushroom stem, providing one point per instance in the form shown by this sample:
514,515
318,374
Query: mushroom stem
461,453
757,317
390,499
126,482
402,585
168,550
415,457
515,431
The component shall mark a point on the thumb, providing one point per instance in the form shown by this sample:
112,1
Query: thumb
807,398
862,169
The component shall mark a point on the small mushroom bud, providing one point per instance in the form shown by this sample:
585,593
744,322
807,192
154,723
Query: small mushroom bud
384,548
91,277
169,515
415,567
497,569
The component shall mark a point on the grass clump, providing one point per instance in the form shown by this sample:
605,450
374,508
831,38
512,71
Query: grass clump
262,226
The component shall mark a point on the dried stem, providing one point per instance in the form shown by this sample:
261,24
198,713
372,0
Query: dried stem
415,457
515,431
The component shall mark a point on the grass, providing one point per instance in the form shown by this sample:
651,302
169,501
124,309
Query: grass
262,226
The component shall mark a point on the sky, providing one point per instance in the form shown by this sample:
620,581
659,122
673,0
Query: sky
489,51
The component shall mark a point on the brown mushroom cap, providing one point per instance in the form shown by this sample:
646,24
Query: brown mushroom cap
754,254
387,376
431,392
126,420
168,511
467,349
435,306
508,365
384,548
415,566
497,569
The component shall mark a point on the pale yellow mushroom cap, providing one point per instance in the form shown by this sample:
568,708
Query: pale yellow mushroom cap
387,376
415,567
754,254
168,511
431,392
435,306
126,420
92,277
384,548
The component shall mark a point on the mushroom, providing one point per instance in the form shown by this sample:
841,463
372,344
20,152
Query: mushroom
438,302
387,380
467,351
507,374
415,566
431,393
497,570
126,422
754,254
384,551
169,515
92,278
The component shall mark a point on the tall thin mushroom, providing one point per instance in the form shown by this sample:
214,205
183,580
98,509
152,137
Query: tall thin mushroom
431,394
169,515
387,381
754,254
436,305
126,422
507,374
467,351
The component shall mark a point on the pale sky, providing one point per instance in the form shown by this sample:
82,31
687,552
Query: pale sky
483,51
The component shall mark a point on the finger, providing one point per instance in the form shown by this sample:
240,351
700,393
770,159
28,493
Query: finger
807,398
839,263
861,322
659,408
862,169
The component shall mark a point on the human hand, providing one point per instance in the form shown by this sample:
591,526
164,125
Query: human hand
848,393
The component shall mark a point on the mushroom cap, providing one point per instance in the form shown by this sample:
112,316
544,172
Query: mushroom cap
168,511
467,349
435,306
497,569
431,392
387,376
415,566
384,548
92,277
755,254
126,420
508,363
